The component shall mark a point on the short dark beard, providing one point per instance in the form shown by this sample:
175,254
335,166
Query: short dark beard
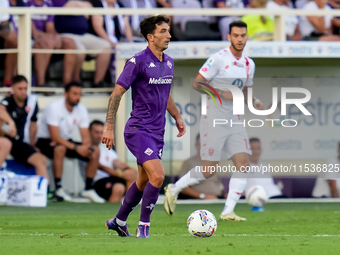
71,103
235,47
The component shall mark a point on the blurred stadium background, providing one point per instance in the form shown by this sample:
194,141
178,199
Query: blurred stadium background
279,63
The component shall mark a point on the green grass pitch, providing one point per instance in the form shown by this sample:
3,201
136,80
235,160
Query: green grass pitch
68,228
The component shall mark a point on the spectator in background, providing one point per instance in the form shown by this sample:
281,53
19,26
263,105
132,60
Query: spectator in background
113,176
291,21
46,37
22,109
260,28
111,28
299,4
314,28
223,22
182,20
335,4
58,121
259,178
136,19
77,29
211,188
328,183
10,41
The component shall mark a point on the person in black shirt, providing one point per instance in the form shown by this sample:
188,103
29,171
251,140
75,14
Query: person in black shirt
22,109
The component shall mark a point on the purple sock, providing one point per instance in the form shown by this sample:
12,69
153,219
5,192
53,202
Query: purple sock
132,199
150,197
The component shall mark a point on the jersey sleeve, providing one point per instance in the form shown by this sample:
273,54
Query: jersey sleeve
5,102
210,68
250,80
130,73
34,117
84,121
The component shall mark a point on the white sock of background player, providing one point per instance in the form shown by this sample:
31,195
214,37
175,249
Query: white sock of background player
237,184
192,177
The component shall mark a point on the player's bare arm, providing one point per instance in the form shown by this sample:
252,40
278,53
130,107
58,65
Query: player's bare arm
172,109
4,116
116,96
200,84
33,132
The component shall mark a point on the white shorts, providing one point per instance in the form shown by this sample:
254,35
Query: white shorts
222,141
88,42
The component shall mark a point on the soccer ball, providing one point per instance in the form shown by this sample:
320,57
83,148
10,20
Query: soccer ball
202,223
256,196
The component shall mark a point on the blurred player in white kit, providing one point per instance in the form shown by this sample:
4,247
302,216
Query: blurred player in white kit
228,66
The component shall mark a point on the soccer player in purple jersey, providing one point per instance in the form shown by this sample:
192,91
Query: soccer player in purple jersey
149,73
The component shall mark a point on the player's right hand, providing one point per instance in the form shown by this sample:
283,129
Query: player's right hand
108,138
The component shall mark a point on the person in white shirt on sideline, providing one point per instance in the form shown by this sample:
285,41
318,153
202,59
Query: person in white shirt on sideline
259,178
314,28
113,176
58,121
328,183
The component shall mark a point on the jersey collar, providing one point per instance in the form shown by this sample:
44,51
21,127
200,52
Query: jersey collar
150,53
238,59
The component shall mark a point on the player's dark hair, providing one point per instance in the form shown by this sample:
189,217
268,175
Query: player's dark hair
148,24
96,122
18,78
72,84
253,140
238,23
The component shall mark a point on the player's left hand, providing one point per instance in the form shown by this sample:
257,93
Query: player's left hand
181,127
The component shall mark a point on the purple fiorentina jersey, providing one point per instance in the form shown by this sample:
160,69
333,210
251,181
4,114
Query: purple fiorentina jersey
40,20
150,81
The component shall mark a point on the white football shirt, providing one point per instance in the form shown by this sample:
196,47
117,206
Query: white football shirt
106,158
224,68
56,114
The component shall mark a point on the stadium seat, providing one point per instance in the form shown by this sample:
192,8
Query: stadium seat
200,31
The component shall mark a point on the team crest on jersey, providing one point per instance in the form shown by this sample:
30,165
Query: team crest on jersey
148,151
211,151
132,60
226,67
27,109
74,122
169,64
152,65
